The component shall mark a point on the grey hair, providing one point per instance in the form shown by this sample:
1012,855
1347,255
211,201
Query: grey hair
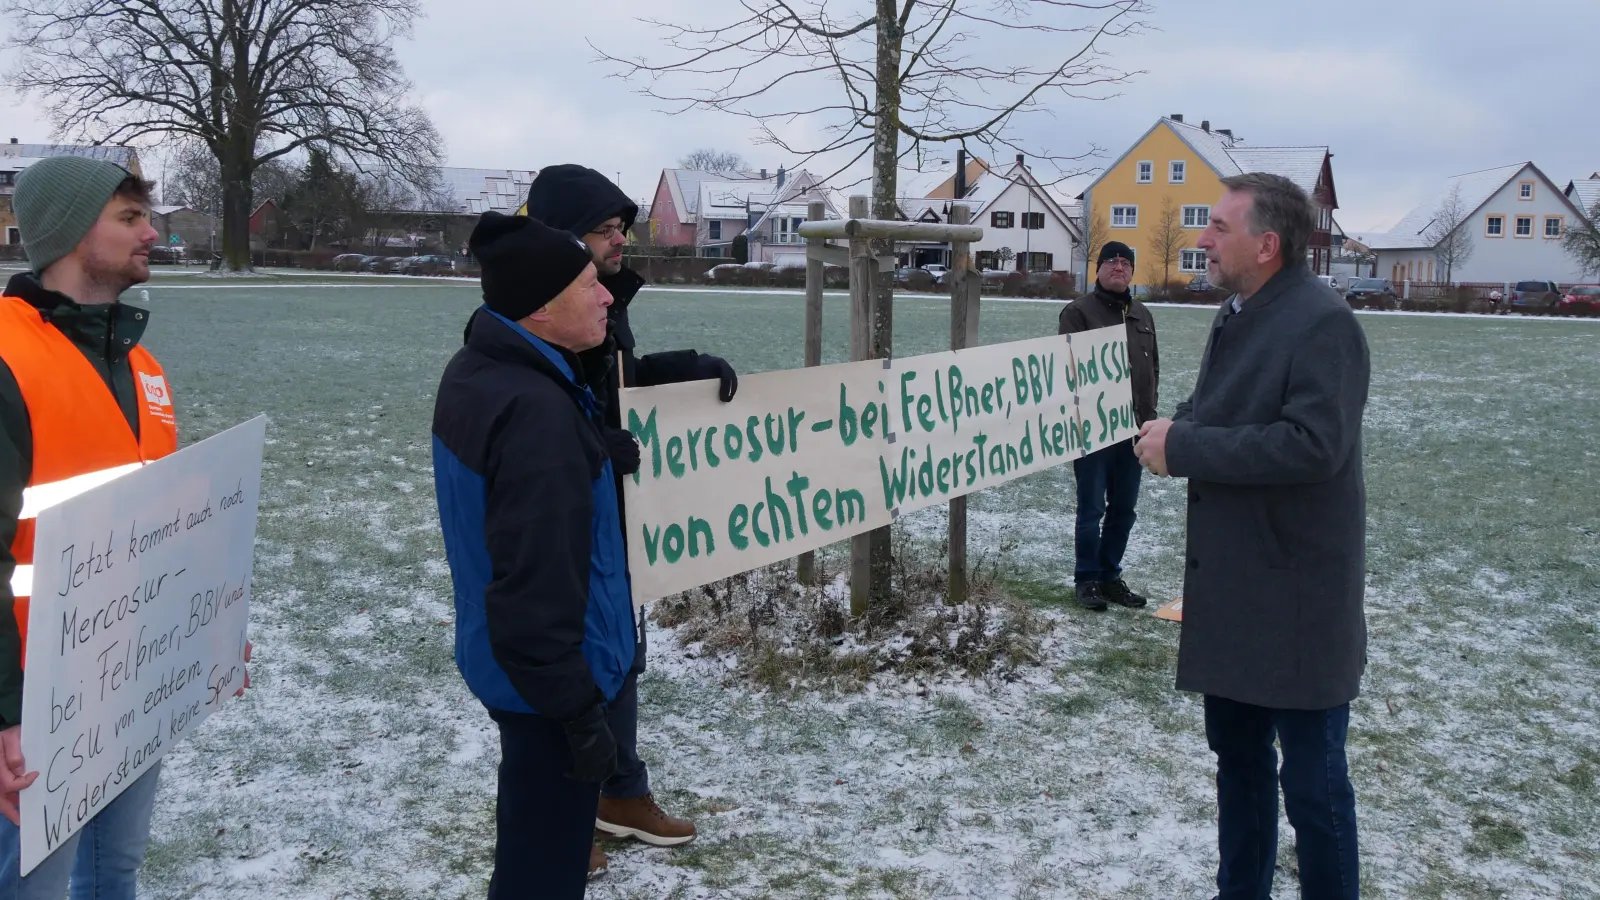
1278,205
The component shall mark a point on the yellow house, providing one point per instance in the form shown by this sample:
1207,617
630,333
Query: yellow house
1157,197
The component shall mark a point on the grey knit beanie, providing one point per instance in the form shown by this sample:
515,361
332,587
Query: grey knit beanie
58,200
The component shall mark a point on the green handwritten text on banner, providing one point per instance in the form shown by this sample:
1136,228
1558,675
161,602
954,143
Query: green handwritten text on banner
808,457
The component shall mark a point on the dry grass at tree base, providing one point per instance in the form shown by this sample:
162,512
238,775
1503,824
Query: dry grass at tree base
766,628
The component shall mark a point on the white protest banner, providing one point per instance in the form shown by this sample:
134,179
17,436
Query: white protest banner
136,627
807,457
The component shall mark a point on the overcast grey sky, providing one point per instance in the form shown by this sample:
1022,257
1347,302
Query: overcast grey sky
1404,92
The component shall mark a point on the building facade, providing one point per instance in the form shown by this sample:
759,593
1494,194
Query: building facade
1175,170
1514,221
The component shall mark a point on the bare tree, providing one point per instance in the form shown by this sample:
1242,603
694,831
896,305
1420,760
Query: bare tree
1452,244
887,78
1166,240
1582,242
1094,237
191,176
706,159
252,80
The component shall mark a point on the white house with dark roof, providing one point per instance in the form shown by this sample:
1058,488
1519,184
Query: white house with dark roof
1025,227
1516,219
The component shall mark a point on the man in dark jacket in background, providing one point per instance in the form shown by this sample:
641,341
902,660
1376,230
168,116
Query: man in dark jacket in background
528,506
1274,630
586,203
1108,479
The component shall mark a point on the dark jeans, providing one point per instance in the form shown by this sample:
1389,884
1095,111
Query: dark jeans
1317,795
622,714
1108,490
544,820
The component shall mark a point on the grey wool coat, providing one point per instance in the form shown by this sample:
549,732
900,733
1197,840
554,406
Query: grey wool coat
1270,441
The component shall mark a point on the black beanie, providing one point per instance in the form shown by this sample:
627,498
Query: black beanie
525,262
1114,250
577,199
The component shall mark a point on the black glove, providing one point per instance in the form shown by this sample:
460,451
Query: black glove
594,750
623,450
718,368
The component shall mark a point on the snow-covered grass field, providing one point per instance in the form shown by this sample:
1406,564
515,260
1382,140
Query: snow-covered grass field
359,766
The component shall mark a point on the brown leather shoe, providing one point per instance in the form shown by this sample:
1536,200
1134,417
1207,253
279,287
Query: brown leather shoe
598,861
640,817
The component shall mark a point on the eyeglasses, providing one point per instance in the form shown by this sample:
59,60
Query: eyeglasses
1116,262
607,232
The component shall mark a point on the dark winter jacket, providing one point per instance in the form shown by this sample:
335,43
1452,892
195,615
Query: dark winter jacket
1270,441
105,333
528,505
1102,309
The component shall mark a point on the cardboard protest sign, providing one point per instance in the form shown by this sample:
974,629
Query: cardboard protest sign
136,629
1172,611
807,457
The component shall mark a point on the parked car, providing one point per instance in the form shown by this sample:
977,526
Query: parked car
428,265
1200,284
937,271
1535,296
1580,300
1331,281
380,264
350,262
1375,293
166,254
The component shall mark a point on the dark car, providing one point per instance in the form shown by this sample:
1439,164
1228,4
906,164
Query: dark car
1580,300
380,264
349,262
1372,293
428,265
1200,284
1535,296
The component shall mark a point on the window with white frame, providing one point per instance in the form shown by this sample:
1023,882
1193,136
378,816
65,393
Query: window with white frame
1552,226
1524,190
1192,261
1124,217
1147,171
788,230
13,236
1196,216
1495,226
1002,220
1175,171
1524,226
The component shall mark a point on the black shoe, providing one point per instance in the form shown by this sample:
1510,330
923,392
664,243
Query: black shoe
1117,592
1091,595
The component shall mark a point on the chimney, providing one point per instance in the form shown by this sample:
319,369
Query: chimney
1019,159
13,140
1205,125
763,174
1176,117
961,173
1226,132
780,178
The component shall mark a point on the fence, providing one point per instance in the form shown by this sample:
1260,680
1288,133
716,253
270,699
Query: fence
1444,290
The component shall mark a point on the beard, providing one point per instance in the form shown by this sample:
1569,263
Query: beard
117,276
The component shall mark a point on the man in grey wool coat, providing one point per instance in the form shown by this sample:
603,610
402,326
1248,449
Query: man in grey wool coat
1274,631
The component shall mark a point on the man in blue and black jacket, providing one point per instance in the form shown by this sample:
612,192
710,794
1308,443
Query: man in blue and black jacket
528,504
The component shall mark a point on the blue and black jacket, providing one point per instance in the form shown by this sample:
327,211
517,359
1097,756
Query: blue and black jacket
528,505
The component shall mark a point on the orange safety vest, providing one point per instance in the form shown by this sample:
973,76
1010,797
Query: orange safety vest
81,438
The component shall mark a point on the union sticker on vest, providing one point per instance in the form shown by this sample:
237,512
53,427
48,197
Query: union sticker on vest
155,389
